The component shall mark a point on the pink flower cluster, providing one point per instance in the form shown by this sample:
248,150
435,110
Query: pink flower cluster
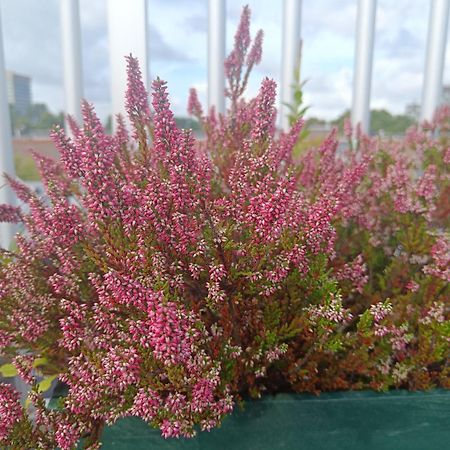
356,272
10,410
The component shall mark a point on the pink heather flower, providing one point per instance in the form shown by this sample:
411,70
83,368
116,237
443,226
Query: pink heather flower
400,338
282,152
170,429
276,353
440,253
412,286
136,98
10,214
447,156
73,125
66,434
121,367
24,366
381,330
68,152
73,334
194,107
22,191
264,111
356,272
234,61
217,272
167,135
215,294
240,55
427,185
146,404
255,53
440,119
435,314
332,312
56,183
202,395
380,310
348,129
121,131
10,410
5,339
176,402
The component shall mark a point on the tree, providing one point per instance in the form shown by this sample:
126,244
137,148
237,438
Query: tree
381,121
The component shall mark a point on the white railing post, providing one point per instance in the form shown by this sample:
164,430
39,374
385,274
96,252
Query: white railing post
72,60
6,151
216,54
435,57
290,55
362,77
127,30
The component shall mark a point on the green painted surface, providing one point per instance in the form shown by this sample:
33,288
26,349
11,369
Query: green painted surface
338,421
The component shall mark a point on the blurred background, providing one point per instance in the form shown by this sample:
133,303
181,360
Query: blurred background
177,38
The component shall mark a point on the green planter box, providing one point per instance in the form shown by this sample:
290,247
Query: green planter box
396,420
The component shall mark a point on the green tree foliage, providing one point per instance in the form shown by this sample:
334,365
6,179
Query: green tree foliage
37,120
381,121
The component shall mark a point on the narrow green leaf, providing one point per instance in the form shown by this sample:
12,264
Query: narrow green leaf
45,384
40,362
8,370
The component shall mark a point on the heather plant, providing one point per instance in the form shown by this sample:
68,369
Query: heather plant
151,282
166,278
392,259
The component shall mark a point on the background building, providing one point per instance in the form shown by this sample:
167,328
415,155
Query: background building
19,92
445,94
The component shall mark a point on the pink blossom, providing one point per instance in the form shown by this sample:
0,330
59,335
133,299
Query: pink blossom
10,214
66,435
380,310
136,98
194,107
255,53
264,111
412,286
356,272
440,253
10,410
146,404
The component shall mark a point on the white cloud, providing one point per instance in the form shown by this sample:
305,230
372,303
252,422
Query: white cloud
179,49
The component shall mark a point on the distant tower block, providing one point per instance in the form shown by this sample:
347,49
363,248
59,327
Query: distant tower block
127,29
71,43
435,58
216,54
362,77
19,92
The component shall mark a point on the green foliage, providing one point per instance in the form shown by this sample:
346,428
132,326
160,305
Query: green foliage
8,370
26,168
38,119
46,383
381,121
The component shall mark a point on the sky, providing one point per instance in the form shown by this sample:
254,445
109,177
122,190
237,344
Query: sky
178,49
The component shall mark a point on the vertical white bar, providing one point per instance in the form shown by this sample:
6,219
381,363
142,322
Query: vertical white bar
127,29
291,44
435,57
71,44
362,78
6,150
216,54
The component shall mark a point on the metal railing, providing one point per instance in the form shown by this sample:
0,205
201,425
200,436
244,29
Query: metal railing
127,29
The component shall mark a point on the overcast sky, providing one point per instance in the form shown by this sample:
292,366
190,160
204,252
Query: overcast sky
177,33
